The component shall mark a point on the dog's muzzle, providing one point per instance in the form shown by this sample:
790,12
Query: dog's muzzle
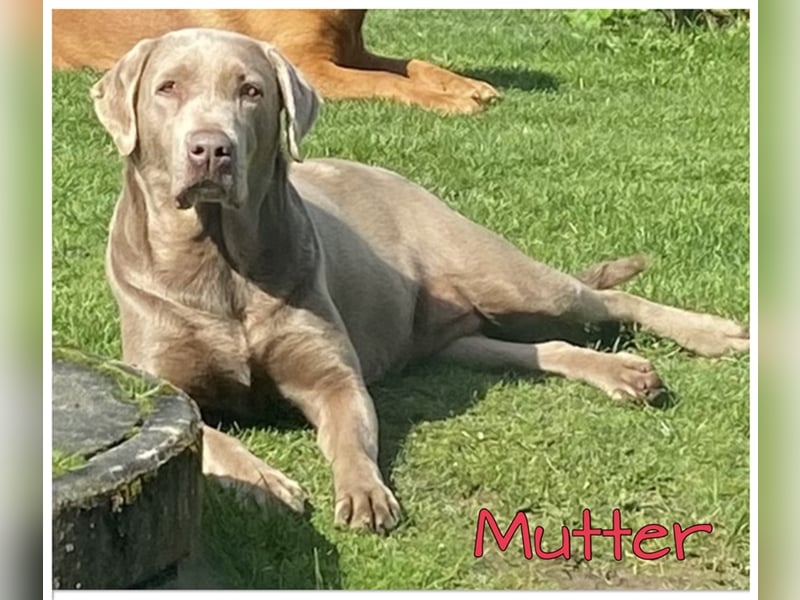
210,160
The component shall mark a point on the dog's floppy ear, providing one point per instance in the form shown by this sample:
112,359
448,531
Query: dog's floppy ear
115,96
300,101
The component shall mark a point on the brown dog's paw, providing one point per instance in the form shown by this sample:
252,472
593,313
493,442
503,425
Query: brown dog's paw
469,102
484,92
453,103
369,506
445,82
473,88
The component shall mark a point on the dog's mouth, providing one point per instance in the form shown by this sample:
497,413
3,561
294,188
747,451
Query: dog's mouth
205,190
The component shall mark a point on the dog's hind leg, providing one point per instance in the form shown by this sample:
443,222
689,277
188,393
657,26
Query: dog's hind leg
513,292
619,375
704,334
610,274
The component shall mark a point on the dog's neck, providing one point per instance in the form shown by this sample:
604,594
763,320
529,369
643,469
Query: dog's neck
269,242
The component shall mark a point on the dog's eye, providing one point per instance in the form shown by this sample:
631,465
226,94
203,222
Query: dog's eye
249,90
166,88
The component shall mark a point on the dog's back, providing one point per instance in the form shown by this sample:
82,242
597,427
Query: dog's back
98,38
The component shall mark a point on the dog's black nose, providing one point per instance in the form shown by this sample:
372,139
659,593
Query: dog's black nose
210,151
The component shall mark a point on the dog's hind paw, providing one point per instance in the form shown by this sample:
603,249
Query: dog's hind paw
627,376
714,336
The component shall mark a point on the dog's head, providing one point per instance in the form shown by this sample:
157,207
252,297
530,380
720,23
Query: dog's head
199,111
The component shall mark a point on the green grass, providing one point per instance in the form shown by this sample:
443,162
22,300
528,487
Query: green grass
607,143
130,386
64,462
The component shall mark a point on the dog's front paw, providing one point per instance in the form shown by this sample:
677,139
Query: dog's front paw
455,103
270,484
480,90
264,484
442,81
366,504
228,462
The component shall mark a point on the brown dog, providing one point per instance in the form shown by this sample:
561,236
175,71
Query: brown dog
326,45
241,273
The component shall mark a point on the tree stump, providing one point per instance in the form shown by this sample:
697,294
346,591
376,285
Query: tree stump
127,474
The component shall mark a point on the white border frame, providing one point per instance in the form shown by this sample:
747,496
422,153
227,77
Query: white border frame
49,5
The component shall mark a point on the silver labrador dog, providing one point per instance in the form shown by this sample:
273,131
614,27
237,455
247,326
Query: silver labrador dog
243,273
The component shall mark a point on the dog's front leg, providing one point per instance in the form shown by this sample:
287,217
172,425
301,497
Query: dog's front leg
316,368
347,432
227,461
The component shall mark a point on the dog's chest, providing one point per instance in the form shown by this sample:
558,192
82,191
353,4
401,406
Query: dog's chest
232,377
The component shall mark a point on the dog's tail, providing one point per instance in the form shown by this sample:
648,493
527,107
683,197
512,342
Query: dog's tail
612,273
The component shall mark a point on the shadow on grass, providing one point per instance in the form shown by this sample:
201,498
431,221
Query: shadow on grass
435,391
253,547
247,546
425,393
527,80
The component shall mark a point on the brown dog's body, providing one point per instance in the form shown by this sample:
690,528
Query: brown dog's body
234,267
326,45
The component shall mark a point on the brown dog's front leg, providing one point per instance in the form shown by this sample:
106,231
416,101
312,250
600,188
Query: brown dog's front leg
338,82
430,76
